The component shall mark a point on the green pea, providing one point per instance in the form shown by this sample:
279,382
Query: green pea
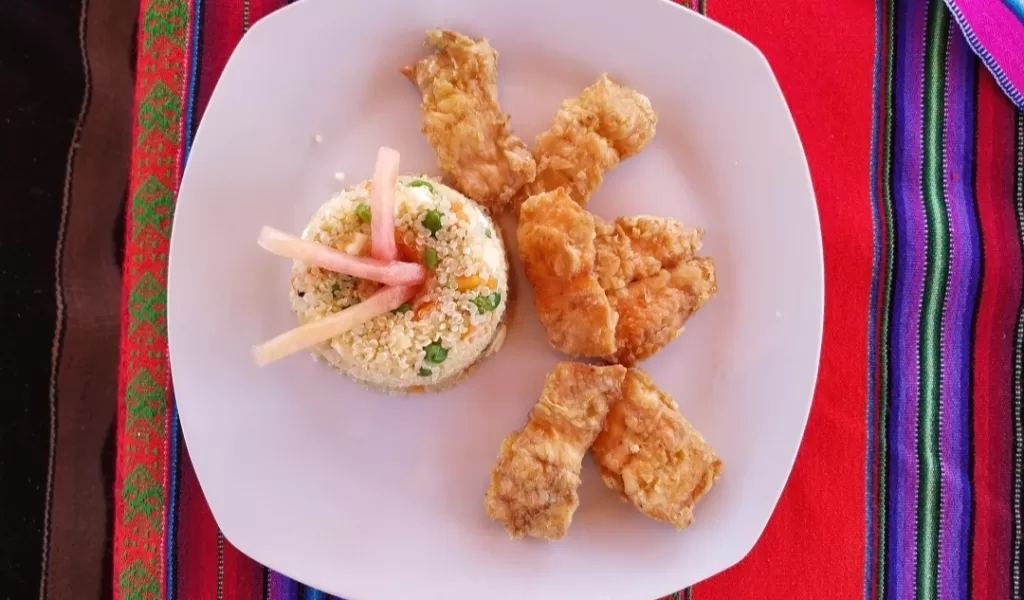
430,258
432,221
485,303
424,372
403,308
421,183
363,212
436,353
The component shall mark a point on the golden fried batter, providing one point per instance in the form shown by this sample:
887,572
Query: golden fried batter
533,484
464,123
619,291
606,124
652,456
556,241
652,310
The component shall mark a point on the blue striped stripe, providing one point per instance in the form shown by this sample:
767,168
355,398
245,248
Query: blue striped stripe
174,460
1016,7
193,76
174,465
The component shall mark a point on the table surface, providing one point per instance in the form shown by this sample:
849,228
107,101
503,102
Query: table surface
909,480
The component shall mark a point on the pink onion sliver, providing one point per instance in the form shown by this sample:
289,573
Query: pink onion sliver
319,255
319,331
382,205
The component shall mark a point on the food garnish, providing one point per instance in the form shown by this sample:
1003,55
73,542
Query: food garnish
382,205
387,272
315,332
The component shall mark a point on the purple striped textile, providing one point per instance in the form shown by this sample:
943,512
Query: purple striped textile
995,31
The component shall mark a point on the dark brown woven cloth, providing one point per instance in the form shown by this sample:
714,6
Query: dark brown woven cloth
66,81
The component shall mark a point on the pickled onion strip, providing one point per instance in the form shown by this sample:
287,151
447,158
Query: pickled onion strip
306,336
382,205
318,255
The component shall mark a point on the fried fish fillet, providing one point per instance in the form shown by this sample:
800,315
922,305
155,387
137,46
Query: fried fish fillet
464,123
592,133
533,484
557,244
620,291
652,456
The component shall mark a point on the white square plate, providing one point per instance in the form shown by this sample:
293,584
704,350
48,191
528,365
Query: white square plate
377,498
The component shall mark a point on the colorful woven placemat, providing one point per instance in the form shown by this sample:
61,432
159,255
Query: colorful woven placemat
910,479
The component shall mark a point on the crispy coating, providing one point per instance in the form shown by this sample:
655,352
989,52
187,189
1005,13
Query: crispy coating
653,310
652,456
619,291
557,244
533,484
464,123
592,133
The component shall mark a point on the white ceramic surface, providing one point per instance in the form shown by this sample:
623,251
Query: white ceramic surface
374,498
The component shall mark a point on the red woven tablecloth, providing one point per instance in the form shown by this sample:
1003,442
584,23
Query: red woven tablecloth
909,479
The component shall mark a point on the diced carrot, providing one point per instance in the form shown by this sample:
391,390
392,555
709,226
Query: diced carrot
492,283
417,389
469,331
467,283
407,252
425,308
457,209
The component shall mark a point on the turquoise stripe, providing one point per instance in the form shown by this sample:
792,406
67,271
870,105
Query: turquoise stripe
1016,7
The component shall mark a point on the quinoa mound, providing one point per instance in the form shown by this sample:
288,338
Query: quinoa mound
456,319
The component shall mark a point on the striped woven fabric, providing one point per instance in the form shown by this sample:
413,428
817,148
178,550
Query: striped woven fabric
910,478
995,31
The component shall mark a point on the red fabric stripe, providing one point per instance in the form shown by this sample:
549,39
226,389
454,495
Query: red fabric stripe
222,28
824,72
140,489
197,539
142,467
243,578
993,349
261,8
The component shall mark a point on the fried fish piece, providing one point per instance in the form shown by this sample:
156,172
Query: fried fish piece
557,244
464,123
620,291
533,484
652,456
653,281
592,133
